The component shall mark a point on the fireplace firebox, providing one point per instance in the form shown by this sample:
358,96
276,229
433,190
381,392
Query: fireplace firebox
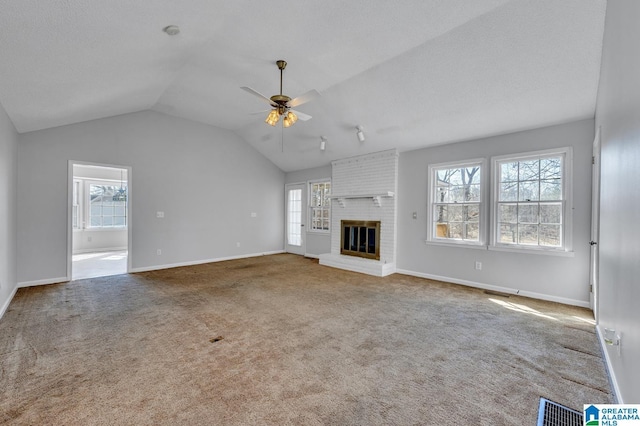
360,238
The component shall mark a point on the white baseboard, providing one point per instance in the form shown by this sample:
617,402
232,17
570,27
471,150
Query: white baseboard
508,290
44,282
200,262
4,307
607,358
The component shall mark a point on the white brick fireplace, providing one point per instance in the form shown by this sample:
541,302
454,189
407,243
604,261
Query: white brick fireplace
364,188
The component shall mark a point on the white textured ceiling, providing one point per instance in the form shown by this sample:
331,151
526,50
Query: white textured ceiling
413,73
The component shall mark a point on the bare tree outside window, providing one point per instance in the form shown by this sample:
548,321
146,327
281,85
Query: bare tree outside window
456,203
530,202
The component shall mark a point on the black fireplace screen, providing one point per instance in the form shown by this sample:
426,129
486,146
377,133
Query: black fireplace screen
360,238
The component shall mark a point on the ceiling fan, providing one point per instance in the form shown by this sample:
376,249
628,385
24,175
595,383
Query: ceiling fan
283,105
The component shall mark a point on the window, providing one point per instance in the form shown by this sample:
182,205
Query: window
456,203
107,206
294,217
531,196
320,206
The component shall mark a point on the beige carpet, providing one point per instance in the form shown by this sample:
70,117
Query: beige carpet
301,344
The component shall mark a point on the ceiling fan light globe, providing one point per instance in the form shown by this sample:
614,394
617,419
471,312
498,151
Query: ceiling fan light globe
292,117
272,118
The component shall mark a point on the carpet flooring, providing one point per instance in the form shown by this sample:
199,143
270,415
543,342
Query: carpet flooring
281,340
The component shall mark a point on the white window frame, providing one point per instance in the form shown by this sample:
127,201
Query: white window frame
482,205
86,198
311,208
77,204
566,247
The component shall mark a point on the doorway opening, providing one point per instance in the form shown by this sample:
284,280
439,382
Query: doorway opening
99,220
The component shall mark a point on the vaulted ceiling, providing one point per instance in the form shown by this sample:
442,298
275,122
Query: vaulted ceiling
412,73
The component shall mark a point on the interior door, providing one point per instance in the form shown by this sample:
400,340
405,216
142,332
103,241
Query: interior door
595,224
296,201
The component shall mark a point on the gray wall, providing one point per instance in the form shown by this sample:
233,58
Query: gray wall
8,218
563,279
618,114
206,180
316,243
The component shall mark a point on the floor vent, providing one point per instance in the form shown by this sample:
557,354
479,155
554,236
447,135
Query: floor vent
553,414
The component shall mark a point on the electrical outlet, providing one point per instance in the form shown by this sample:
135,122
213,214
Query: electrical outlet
479,266
159,252
160,215
89,238
238,244
254,214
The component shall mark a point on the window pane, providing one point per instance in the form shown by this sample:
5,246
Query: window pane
107,210
550,235
528,191
472,212
508,233
455,230
457,194
119,221
529,170
473,193
528,213
508,191
455,213
107,221
551,213
96,209
551,168
441,213
509,172
473,231
551,189
96,221
508,213
528,234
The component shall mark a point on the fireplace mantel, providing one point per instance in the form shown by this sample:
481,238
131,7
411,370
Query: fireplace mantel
377,197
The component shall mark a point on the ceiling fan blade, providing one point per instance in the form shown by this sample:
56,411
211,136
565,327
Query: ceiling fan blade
304,98
301,115
258,94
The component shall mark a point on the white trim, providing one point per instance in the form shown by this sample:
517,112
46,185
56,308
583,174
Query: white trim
200,262
612,377
457,244
4,307
517,292
44,282
532,250
312,256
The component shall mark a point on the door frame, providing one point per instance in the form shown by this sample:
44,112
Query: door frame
70,211
595,226
303,217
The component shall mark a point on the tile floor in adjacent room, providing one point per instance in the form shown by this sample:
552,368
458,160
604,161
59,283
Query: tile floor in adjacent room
99,264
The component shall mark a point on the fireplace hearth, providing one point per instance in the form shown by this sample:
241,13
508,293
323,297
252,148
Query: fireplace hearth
360,238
